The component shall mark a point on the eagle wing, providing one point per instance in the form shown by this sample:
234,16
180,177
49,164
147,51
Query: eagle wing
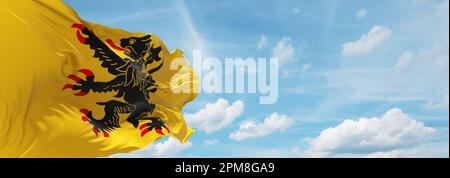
110,60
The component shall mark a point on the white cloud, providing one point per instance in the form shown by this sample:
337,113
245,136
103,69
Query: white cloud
394,130
426,151
367,42
262,42
403,62
361,13
284,51
252,129
215,116
168,148
400,153
208,142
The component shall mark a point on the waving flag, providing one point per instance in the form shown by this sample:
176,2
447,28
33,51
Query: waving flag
71,88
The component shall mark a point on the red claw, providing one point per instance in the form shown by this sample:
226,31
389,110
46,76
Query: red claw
105,134
74,78
95,131
79,26
143,126
81,38
86,72
145,131
67,86
84,111
159,131
80,93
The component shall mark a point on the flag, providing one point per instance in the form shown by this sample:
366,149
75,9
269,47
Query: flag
72,88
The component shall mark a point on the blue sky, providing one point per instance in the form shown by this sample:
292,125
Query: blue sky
359,78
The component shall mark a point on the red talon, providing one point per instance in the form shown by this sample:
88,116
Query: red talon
143,126
105,134
79,26
84,119
74,77
95,131
67,86
86,72
84,111
159,131
81,38
145,131
80,93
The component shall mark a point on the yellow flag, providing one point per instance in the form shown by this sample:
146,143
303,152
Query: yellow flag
71,88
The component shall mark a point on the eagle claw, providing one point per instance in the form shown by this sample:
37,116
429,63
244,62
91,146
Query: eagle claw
80,28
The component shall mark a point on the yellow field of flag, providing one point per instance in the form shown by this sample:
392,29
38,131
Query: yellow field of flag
71,88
